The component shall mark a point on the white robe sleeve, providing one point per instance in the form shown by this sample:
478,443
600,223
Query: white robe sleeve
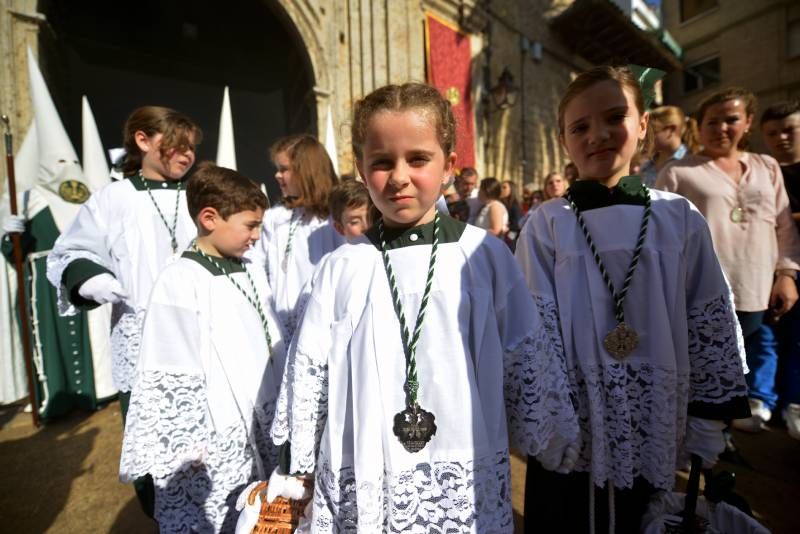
539,402
167,425
86,238
716,348
302,407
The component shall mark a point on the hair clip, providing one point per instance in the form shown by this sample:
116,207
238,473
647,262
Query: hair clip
647,78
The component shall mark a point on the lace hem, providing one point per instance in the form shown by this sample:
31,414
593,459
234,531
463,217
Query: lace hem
632,417
198,472
438,497
301,411
56,265
126,337
716,351
538,401
167,425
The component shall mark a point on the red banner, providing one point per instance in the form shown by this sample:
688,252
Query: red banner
448,59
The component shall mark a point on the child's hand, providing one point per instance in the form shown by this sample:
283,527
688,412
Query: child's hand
102,289
560,456
288,487
704,438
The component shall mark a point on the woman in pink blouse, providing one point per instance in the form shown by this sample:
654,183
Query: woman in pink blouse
743,198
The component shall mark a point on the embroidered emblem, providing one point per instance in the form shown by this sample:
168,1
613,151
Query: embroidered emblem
453,95
73,191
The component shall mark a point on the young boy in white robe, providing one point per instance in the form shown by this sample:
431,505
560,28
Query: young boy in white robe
651,341
211,361
420,350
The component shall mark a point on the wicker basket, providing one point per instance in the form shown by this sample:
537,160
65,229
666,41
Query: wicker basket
281,515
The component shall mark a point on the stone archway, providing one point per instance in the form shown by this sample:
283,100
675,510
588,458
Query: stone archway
307,22
122,58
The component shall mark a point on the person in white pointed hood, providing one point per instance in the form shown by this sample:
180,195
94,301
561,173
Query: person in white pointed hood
12,359
70,355
124,235
226,145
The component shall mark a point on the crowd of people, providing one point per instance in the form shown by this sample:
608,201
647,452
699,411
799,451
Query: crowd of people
380,344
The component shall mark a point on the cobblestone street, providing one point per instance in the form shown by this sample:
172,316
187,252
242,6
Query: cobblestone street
63,478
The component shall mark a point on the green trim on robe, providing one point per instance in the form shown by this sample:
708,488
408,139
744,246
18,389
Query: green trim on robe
67,377
450,231
136,182
590,194
76,273
231,265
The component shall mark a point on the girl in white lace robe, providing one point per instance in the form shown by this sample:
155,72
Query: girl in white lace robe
118,230
126,230
486,353
686,374
204,395
312,238
297,233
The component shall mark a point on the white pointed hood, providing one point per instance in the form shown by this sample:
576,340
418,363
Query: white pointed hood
226,147
60,177
95,167
330,141
26,162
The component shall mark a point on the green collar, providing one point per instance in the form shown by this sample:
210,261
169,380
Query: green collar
450,231
588,194
155,185
231,265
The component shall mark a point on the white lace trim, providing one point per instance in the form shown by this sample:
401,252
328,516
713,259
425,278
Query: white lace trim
439,497
537,390
301,411
716,348
56,265
198,471
633,414
126,337
632,417
295,315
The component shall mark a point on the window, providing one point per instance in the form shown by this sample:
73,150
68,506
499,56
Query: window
692,8
701,75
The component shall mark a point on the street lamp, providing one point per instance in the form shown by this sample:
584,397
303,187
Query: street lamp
504,94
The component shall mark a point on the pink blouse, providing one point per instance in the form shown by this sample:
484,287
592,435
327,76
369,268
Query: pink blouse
750,222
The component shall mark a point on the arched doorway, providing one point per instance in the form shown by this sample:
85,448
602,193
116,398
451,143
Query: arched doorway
181,54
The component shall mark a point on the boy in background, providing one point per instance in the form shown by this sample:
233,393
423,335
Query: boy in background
350,207
211,360
780,127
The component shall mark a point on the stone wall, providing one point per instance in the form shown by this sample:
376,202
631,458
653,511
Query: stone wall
355,46
19,29
750,39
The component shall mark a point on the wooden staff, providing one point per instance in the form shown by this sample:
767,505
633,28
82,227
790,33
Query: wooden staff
16,241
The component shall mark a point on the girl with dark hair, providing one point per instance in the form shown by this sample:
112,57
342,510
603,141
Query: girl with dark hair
493,216
508,197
